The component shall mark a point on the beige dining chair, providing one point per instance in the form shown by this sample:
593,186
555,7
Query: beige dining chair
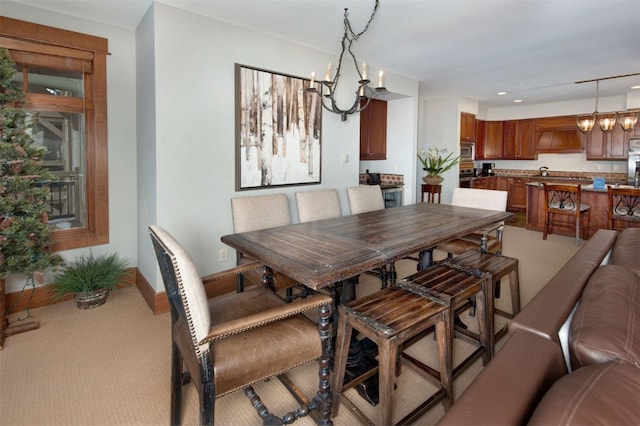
261,212
368,198
365,198
486,199
232,341
317,205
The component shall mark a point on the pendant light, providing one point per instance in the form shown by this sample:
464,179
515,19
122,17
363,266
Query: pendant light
628,120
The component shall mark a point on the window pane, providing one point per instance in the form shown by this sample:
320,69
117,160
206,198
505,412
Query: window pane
54,82
62,134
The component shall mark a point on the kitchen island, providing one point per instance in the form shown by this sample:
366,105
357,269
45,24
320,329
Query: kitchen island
596,198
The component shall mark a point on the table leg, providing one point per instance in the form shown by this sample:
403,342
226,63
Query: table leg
425,259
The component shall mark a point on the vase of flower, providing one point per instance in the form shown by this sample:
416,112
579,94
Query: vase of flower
435,164
433,179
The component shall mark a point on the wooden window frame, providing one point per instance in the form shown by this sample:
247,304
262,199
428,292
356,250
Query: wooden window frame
90,53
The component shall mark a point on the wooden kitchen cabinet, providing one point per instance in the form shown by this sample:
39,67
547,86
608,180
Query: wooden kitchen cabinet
509,139
481,127
517,198
493,140
613,145
525,140
467,127
483,183
373,131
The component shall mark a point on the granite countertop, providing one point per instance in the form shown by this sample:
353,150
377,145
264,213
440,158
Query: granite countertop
588,187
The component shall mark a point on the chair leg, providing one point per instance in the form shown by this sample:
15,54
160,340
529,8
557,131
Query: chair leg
546,226
176,384
207,392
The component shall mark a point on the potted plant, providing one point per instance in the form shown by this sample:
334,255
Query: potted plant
90,279
434,164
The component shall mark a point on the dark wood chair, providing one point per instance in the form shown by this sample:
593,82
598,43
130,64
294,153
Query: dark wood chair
563,202
624,207
254,335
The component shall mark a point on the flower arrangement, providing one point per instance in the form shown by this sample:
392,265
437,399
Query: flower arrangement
433,162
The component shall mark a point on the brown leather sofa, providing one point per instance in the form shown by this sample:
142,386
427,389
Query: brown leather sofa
573,353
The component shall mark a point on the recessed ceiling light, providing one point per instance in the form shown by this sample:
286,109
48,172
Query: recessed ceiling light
501,93
517,101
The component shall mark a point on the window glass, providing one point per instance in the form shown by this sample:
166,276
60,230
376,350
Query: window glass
62,134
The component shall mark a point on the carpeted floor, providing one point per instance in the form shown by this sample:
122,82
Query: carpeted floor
110,365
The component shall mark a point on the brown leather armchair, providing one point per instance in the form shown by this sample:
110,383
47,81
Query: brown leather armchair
254,335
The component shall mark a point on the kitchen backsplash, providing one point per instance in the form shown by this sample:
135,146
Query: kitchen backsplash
385,179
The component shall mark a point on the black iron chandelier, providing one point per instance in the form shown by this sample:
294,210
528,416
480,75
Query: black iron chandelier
329,86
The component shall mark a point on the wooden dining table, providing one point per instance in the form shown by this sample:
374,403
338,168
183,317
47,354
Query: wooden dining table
321,253
330,251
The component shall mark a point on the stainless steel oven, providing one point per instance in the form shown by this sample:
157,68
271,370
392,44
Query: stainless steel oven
467,152
466,175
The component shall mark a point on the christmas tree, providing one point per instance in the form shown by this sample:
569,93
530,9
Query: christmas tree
25,235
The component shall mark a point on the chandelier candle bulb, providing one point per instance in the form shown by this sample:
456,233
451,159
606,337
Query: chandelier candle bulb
364,70
327,75
313,78
380,79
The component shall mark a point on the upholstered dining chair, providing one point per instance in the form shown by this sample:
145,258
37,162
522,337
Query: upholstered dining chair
623,207
365,198
235,340
368,198
480,199
565,201
261,212
317,205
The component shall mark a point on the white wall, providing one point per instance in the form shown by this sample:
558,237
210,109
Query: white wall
121,129
195,130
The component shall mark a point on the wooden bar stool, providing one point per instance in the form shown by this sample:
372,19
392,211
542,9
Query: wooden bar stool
455,285
498,266
390,317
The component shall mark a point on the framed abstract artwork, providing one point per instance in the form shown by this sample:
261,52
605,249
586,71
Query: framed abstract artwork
278,130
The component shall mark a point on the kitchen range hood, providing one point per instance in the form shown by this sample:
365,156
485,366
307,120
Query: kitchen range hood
559,141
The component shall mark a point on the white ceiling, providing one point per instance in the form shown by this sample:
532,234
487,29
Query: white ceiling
533,49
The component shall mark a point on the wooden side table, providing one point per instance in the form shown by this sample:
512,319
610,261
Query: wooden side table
432,191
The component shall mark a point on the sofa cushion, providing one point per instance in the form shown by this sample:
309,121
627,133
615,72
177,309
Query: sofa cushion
606,325
626,252
549,309
605,394
507,390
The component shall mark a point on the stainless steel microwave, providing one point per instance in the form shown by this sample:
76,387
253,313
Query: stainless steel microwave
467,152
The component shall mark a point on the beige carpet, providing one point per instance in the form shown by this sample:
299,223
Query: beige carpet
110,365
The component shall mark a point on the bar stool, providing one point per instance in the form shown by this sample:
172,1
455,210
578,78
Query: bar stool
498,266
432,191
389,318
455,285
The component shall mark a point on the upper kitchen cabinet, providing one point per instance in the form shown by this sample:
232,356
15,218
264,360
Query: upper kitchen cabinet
481,127
467,127
373,131
519,140
493,139
612,145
